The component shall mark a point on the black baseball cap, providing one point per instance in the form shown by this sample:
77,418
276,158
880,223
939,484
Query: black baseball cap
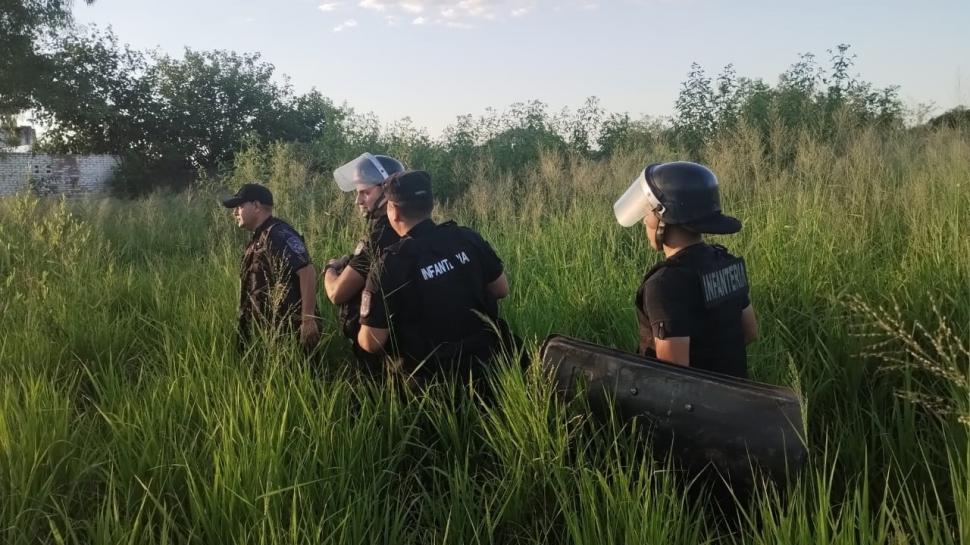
252,192
413,186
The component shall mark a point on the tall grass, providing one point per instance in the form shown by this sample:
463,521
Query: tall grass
127,417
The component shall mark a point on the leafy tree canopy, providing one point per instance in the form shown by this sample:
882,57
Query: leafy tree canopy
24,25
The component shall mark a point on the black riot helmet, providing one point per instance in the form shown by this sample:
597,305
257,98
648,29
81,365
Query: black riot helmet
679,193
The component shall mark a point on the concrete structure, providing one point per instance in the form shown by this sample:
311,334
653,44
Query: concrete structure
72,175
19,140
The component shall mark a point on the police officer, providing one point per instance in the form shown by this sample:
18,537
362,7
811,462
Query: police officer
277,280
344,277
431,299
693,307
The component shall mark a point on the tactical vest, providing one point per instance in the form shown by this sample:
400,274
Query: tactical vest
379,237
445,307
716,333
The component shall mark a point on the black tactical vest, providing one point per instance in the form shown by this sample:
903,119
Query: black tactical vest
443,308
380,236
717,292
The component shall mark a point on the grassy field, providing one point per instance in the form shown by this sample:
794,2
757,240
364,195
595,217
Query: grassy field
127,417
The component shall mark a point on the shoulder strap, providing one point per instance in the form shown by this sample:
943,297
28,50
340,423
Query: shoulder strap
720,249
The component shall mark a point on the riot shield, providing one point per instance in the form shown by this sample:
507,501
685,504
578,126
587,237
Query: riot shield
740,427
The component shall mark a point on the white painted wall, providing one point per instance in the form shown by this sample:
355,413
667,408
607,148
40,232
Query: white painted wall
72,175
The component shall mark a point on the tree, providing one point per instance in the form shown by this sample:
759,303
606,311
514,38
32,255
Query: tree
96,97
805,99
526,130
955,118
23,66
695,110
208,101
585,127
173,115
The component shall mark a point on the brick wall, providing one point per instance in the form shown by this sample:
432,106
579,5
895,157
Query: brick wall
55,174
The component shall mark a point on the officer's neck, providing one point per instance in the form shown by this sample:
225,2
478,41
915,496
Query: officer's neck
261,221
404,226
677,242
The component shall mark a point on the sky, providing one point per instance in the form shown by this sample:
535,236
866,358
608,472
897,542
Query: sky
432,60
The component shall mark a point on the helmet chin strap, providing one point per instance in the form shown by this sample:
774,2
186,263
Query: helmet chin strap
381,201
659,235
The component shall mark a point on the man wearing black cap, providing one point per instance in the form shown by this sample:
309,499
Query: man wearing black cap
432,297
693,307
277,280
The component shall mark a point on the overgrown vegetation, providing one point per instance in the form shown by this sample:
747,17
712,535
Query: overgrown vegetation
176,119
127,416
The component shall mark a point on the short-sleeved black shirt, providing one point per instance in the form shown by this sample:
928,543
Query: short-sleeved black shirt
699,292
380,236
430,290
269,285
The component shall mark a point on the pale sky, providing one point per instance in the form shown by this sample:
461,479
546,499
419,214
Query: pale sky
433,60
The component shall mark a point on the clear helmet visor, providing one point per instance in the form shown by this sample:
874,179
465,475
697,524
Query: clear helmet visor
636,201
365,170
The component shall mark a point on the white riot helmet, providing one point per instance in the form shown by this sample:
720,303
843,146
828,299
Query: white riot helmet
368,170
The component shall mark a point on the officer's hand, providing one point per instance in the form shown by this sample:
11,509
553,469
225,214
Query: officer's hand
338,264
309,332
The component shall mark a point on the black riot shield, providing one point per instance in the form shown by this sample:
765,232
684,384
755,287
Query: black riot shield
741,427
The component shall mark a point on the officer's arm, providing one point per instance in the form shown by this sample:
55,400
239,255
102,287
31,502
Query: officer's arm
749,324
372,339
673,350
665,301
498,288
342,287
308,291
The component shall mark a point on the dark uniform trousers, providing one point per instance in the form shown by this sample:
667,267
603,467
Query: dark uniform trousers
699,292
430,291
269,295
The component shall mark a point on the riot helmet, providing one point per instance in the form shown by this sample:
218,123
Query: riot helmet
679,193
368,170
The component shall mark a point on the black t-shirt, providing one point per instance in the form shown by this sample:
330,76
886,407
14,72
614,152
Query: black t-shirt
699,292
430,291
380,237
269,285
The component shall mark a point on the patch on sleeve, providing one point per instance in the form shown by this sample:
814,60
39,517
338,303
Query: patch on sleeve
364,304
296,245
726,281
360,248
